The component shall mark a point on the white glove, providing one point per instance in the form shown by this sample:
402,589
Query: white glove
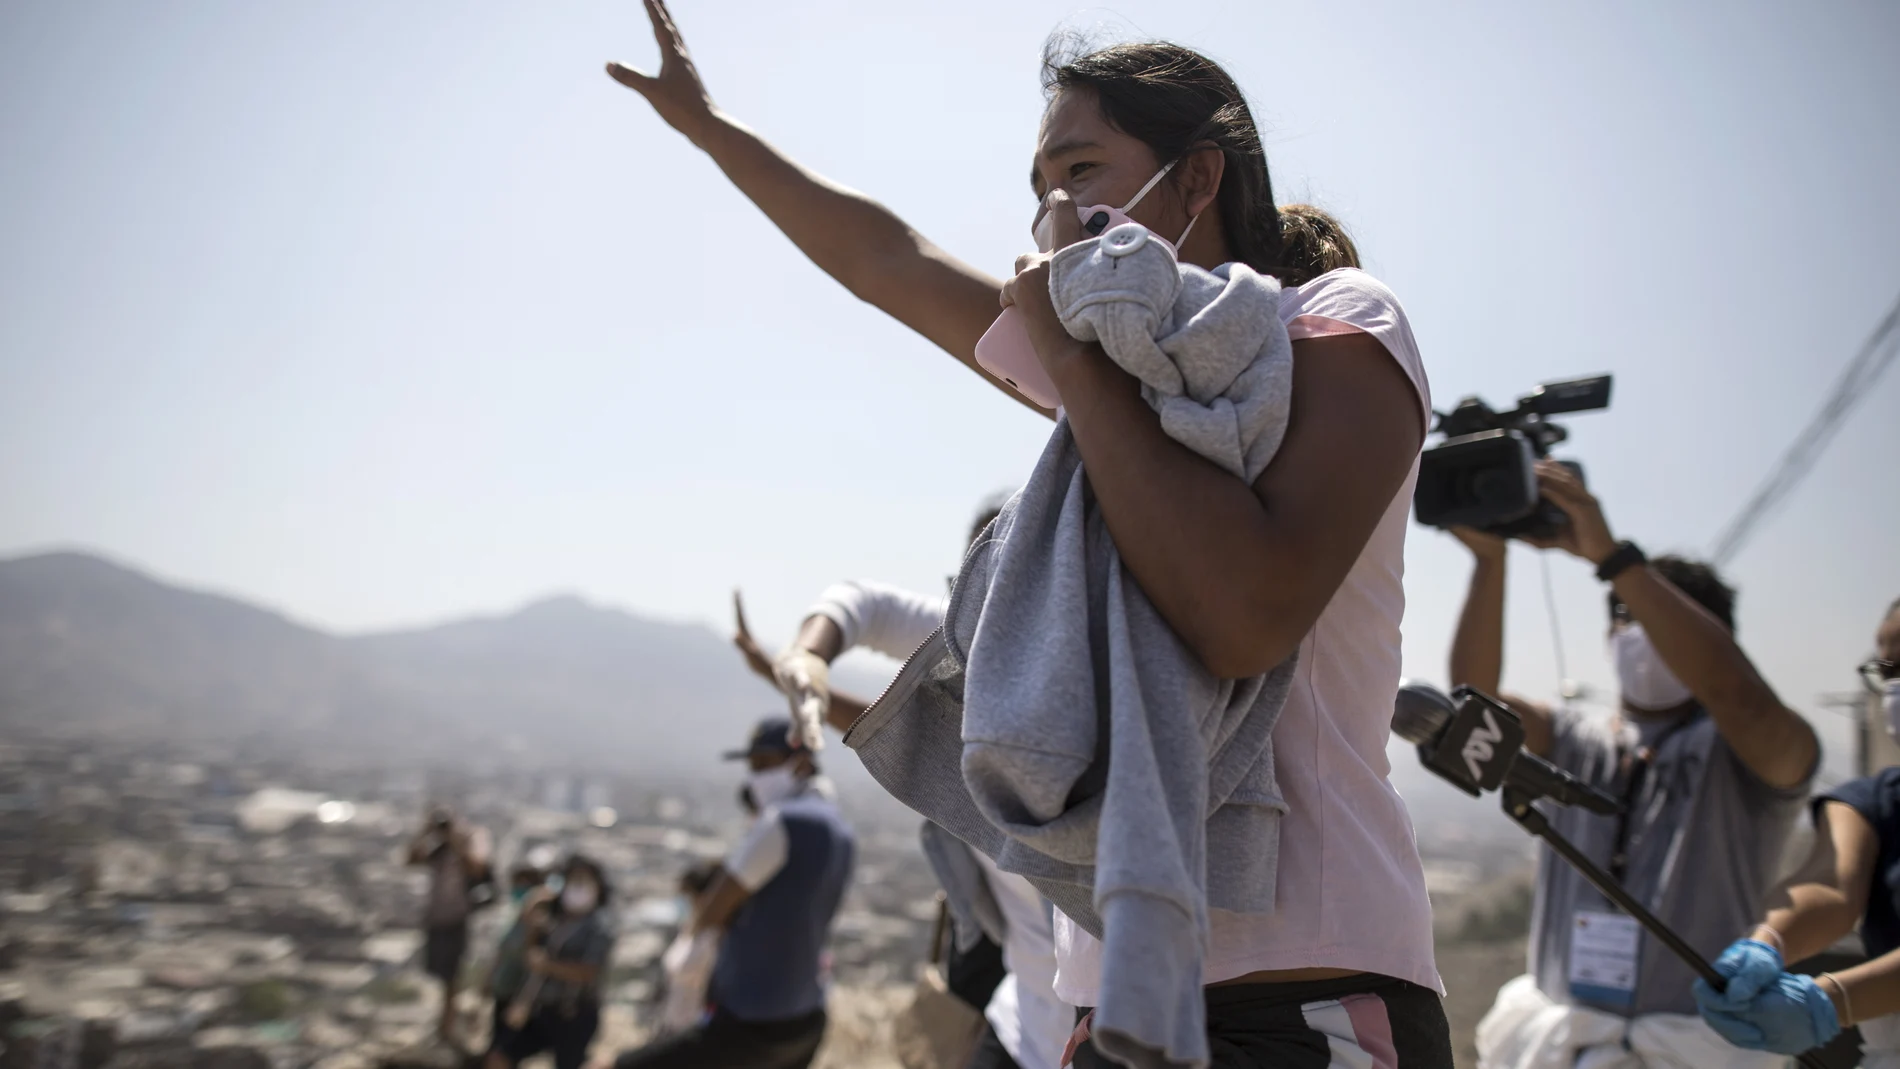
805,678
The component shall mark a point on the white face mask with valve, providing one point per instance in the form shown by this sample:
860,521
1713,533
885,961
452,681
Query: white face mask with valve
1646,682
1046,226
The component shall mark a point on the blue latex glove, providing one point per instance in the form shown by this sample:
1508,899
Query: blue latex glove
1749,966
1789,1016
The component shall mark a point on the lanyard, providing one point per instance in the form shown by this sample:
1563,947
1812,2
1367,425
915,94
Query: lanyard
1640,761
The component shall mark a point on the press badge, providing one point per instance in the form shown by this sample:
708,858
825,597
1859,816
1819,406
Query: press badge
1603,949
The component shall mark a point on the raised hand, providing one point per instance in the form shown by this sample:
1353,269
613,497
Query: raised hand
676,92
755,657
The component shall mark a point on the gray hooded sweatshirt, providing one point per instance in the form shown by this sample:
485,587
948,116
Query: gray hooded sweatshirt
1057,722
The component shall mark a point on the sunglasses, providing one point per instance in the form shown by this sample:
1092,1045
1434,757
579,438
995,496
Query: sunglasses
1876,673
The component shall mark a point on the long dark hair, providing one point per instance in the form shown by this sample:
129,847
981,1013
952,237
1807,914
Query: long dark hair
1173,99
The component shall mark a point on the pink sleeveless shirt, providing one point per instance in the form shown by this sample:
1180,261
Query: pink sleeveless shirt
1351,891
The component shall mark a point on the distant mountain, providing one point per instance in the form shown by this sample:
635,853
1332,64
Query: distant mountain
88,646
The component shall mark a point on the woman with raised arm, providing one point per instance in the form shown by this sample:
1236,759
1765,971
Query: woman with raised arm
1300,563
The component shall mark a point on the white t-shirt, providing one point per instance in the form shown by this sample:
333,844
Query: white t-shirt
760,853
1032,1024
891,620
1351,892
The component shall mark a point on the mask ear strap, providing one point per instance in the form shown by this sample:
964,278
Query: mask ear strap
1184,234
1143,191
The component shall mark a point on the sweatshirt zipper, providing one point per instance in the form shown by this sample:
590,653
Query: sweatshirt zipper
892,685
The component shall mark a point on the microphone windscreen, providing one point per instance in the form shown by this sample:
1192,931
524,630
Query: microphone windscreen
1421,712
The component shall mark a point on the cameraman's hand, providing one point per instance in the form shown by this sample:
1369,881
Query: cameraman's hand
1587,535
676,92
1483,545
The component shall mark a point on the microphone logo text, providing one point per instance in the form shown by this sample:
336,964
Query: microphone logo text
1479,746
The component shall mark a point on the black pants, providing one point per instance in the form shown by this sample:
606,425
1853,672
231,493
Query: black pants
1293,1026
564,1031
973,975
990,1054
443,947
726,1042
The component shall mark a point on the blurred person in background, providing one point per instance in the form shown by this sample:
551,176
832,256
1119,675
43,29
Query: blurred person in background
773,900
1712,769
688,961
567,956
507,974
456,855
1852,877
1002,959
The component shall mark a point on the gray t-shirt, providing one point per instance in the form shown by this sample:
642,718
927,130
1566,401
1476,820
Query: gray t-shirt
1705,842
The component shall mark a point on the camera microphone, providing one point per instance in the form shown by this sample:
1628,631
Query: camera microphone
1477,743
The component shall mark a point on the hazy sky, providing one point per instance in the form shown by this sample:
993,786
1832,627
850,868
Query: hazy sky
384,313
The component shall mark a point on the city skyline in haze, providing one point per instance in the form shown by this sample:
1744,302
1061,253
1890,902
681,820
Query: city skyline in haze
382,316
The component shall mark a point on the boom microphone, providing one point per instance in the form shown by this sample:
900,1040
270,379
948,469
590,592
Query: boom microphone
1477,743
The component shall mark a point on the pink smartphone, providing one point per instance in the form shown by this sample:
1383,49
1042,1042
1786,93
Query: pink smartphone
1005,351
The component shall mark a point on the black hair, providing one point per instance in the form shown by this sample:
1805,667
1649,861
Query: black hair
526,873
1174,100
592,868
991,507
1312,242
1699,580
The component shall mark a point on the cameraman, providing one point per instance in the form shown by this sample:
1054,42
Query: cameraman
1711,767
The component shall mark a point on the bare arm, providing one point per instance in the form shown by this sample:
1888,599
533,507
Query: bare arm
852,238
1477,649
1827,896
567,972
721,900
1773,740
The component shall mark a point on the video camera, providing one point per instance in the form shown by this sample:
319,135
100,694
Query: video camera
1482,475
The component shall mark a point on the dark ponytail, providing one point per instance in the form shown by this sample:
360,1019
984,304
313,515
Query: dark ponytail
1172,99
1312,243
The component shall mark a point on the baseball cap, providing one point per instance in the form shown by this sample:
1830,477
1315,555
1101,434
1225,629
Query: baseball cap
772,735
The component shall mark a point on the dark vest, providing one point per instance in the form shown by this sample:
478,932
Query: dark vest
768,965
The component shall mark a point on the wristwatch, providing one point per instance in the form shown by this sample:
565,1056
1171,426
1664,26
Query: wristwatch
1625,555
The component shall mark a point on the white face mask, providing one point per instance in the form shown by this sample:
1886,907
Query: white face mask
1647,682
1046,226
773,785
578,898
1890,708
